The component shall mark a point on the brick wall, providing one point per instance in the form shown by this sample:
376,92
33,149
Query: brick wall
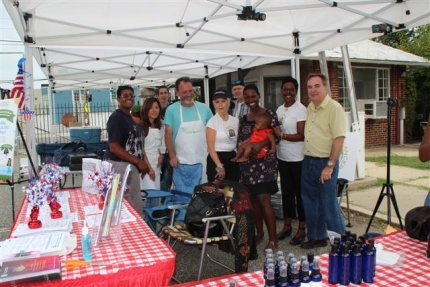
375,129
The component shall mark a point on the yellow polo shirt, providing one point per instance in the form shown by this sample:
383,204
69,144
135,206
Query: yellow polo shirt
322,126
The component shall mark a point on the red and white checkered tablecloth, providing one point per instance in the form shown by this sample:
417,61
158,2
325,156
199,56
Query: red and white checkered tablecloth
414,271
138,258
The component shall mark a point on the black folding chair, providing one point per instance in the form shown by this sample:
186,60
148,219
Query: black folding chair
342,190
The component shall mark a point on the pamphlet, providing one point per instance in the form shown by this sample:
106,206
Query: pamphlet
45,244
48,226
30,269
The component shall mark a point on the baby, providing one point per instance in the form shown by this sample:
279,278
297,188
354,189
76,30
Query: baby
261,132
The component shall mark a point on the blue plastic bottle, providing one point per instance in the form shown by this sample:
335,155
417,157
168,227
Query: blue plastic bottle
344,265
369,263
294,278
356,265
86,243
333,265
292,261
269,261
311,261
374,253
283,276
316,277
305,280
270,280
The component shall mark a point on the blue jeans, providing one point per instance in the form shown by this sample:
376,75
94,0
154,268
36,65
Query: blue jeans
427,201
320,200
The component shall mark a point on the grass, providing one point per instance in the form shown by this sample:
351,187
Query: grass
406,161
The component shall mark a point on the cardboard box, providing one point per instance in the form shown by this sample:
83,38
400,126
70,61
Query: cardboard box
85,134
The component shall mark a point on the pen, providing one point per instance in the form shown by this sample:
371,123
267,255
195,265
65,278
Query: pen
74,263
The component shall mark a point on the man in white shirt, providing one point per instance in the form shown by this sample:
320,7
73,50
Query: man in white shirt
240,108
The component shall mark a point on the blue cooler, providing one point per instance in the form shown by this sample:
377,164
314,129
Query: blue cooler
86,134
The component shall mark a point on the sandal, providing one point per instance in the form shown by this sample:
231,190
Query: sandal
296,240
272,245
259,238
286,232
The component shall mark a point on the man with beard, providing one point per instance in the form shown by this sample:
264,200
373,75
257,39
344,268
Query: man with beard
185,123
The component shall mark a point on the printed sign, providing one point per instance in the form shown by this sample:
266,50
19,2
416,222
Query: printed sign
8,116
348,158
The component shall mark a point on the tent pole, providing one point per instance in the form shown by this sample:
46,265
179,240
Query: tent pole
206,86
355,122
324,69
29,103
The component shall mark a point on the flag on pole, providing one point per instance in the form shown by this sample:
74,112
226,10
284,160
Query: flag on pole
18,89
27,114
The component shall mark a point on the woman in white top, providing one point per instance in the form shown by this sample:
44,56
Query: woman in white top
292,116
154,142
221,138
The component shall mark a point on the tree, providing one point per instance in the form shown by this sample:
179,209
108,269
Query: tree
417,102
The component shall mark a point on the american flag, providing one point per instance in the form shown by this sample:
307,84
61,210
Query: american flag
27,113
18,89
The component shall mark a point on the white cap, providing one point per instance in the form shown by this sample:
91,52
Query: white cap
85,228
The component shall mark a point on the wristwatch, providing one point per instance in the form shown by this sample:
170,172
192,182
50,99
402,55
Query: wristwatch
218,168
330,164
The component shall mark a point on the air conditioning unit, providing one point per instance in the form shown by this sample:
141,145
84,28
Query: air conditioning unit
375,110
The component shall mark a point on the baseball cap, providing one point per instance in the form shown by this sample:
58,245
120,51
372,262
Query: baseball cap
236,83
220,95
135,110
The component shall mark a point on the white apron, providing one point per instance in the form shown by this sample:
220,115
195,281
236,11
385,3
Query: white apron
190,143
152,151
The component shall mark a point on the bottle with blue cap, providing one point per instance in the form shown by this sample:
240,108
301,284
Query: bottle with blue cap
316,277
86,243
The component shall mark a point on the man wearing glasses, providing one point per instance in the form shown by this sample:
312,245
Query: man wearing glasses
126,145
186,130
240,108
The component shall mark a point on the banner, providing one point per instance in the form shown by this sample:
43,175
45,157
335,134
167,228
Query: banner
8,117
348,158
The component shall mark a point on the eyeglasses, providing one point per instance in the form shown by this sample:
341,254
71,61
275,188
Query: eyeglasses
288,90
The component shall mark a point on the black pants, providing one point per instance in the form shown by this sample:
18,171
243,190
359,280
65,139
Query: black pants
291,174
232,171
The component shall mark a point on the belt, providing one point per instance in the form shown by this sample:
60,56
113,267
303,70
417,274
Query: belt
314,157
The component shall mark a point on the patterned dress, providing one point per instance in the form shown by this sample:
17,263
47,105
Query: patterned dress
256,171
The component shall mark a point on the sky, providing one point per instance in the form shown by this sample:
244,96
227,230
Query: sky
11,50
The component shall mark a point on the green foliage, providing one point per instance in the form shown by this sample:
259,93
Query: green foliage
197,94
407,161
415,41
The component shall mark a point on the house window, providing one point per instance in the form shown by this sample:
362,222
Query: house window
272,93
343,91
76,97
371,84
383,85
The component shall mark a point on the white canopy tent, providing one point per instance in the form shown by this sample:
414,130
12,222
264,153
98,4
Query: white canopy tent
132,27
211,25
91,68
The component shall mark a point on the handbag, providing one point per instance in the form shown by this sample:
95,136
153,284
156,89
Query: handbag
417,223
206,201
61,154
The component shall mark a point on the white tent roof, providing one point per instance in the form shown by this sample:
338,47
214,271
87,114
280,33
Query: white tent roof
368,51
120,32
80,68
212,24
